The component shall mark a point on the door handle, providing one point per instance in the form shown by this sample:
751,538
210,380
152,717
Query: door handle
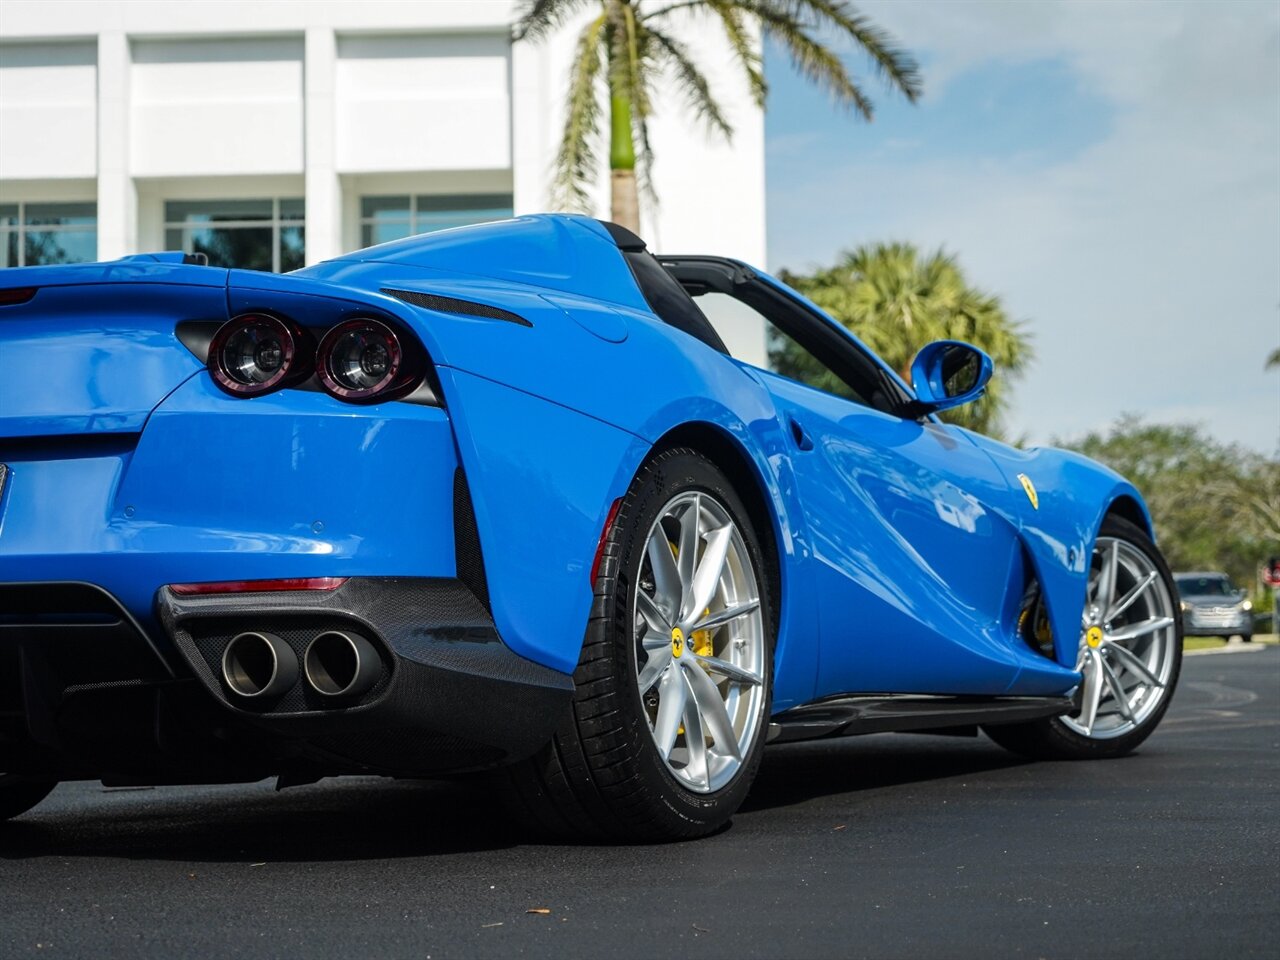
802,440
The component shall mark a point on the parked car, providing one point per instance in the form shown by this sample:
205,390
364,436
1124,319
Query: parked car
1212,607
505,498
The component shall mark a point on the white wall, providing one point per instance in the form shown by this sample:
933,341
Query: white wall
424,102
216,107
48,110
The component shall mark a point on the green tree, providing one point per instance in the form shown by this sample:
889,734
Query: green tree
1216,506
628,51
1273,360
896,301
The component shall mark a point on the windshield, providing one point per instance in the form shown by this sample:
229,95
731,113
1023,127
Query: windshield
1205,587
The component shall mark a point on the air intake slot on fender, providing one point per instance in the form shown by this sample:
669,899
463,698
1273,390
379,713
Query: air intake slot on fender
462,307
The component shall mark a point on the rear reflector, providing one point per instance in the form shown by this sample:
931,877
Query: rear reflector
604,535
258,586
15,295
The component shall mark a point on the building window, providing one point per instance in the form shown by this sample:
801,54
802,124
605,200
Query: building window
249,234
36,233
392,218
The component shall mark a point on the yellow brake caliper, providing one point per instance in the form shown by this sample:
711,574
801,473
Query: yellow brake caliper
701,639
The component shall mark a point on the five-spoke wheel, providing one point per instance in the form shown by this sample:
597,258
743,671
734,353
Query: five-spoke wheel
1128,641
1130,652
700,641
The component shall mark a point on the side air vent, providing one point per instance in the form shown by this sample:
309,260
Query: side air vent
450,305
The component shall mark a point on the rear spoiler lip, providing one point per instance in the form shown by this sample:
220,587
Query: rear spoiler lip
143,268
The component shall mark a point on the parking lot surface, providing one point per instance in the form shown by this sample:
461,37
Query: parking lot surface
885,846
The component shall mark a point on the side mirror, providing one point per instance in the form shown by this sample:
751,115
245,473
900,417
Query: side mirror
948,373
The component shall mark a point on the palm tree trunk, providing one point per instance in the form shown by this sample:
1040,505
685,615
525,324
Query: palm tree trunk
624,203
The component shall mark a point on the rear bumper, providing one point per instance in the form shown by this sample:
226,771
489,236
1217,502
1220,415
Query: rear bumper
89,692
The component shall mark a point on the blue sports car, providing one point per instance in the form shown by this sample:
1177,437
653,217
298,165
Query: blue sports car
505,498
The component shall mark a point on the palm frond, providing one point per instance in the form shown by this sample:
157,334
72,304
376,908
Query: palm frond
793,23
692,83
898,68
741,42
537,18
577,159
813,60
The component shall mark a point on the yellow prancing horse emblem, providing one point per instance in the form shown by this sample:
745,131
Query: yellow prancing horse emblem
1030,488
677,642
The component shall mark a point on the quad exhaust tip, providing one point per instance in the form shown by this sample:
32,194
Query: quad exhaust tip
341,665
259,665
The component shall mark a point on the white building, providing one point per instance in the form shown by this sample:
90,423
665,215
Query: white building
276,133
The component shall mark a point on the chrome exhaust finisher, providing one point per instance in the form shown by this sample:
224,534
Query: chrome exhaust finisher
340,665
259,665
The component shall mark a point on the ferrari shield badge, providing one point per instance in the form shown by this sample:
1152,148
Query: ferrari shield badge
1030,489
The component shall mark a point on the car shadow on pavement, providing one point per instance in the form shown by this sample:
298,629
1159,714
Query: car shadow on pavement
346,819
794,773
373,819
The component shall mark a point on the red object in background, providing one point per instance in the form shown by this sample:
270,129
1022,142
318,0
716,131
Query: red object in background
1271,572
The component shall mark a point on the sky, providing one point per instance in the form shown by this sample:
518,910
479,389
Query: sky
1111,170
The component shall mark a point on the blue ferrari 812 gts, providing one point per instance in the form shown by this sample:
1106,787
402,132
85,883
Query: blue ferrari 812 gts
525,499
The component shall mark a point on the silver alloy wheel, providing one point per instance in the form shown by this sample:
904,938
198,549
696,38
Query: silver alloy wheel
1127,642
700,642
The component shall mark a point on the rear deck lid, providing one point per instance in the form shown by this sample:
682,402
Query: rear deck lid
92,348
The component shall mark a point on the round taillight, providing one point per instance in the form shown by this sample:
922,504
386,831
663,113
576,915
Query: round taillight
255,354
365,361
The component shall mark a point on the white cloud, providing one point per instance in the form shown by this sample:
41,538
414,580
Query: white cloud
1148,262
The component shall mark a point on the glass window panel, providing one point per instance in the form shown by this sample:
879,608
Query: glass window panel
292,209
8,248
385,208
8,214
450,202
215,211
379,232
734,321
60,246
60,214
248,248
292,248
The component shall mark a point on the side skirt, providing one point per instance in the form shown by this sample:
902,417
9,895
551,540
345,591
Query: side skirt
849,716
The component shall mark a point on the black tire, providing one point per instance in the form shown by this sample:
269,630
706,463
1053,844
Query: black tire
20,794
602,778
1051,739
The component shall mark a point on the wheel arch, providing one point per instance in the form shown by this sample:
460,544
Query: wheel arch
1127,508
732,458
749,483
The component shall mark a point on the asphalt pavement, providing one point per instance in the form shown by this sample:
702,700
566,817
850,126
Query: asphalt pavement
885,846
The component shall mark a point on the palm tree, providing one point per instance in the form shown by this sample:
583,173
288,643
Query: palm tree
629,50
896,301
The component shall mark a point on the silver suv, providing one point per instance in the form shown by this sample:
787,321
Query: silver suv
1212,607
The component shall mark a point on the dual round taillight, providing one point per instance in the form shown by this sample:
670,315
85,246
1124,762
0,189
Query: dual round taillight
359,361
255,354
363,360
